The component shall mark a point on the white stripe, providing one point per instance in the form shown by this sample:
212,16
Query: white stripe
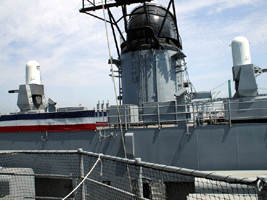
63,121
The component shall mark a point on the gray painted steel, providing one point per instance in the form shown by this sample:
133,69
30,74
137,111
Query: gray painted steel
220,147
150,76
247,108
31,98
245,82
15,185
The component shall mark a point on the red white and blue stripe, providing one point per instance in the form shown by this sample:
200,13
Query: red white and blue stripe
56,121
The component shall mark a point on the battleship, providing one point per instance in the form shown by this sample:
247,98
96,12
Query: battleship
159,117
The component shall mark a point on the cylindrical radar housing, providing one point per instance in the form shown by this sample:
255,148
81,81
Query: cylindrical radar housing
33,72
240,51
148,28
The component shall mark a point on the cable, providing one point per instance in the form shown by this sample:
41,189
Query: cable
115,90
85,177
219,85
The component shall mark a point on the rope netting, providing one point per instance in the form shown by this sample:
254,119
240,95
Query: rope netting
84,175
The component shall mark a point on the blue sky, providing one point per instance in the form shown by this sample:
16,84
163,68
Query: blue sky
72,48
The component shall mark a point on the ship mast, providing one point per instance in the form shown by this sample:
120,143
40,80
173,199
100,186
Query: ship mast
150,60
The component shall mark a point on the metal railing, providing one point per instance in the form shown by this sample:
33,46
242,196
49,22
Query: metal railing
197,113
57,173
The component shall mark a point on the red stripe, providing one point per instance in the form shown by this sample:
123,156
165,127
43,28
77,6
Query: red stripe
50,128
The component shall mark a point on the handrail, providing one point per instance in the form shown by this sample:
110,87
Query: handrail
173,169
195,113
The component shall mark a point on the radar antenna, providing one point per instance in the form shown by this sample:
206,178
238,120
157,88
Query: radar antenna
89,6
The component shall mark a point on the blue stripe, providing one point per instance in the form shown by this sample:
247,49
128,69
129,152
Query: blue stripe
55,115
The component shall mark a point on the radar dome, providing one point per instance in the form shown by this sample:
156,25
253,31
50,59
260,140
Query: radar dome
240,51
33,72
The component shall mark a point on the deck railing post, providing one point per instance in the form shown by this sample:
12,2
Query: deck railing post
82,172
139,181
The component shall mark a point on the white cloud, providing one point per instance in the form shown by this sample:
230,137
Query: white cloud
185,7
72,47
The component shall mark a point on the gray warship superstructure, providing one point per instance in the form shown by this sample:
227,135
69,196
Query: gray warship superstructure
160,117
164,119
